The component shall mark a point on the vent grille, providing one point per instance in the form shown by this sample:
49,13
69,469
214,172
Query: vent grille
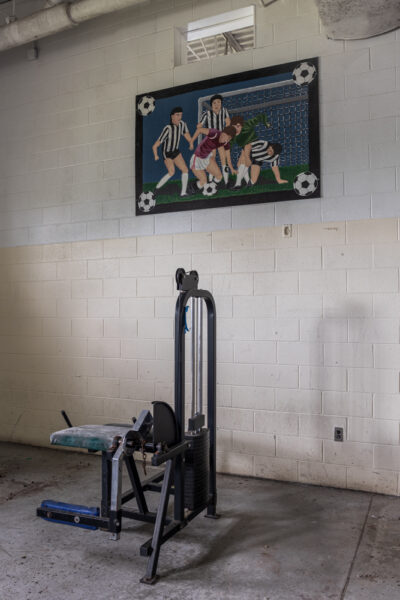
229,42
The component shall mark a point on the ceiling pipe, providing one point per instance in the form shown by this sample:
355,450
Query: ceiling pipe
51,3
56,19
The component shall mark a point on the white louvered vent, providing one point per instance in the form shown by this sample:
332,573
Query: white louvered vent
227,33
228,42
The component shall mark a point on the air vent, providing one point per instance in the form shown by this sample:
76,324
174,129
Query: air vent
226,33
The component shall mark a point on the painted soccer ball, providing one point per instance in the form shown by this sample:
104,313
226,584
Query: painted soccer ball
304,73
146,202
210,189
146,105
305,184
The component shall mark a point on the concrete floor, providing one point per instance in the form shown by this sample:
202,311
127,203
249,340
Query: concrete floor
274,541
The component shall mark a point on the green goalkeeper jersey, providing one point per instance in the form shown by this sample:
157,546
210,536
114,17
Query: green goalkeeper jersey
248,133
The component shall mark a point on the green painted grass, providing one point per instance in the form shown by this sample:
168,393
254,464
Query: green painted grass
170,192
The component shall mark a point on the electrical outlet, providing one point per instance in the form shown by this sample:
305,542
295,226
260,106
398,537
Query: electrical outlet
338,434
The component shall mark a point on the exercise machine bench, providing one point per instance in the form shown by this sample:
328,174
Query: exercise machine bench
187,457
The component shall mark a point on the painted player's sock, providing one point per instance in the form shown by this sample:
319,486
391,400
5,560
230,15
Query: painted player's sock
199,185
184,178
225,173
210,177
246,175
163,180
217,180
242,171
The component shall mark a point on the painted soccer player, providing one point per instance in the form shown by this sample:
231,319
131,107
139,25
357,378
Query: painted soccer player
170,139
203,158
216,118
255,152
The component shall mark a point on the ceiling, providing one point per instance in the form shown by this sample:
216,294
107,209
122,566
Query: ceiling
341,19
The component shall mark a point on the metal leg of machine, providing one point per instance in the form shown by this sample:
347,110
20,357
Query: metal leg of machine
151,570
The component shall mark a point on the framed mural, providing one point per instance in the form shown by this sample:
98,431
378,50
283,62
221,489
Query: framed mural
239,139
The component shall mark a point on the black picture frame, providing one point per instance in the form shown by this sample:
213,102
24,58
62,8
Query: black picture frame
286,94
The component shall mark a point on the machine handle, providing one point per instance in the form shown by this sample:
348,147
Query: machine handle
66,418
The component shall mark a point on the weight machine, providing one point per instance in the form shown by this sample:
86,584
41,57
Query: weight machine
189,476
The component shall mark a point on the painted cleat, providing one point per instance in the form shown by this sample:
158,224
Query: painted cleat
233,186
192,188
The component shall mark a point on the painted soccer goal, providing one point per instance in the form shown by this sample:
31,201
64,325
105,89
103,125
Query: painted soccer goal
286,106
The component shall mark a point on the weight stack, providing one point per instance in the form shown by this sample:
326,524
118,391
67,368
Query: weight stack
197,469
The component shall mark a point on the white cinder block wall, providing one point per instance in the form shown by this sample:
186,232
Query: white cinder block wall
308,330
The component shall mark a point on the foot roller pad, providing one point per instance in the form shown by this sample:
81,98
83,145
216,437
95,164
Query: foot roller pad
91,511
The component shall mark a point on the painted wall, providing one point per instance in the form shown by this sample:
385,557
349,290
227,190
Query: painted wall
66,123
308,333
308,340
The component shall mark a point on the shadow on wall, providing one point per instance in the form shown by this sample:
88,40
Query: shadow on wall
55,355
348,380
44,368
34,366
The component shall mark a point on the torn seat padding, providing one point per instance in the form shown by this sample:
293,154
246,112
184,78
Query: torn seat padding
91,437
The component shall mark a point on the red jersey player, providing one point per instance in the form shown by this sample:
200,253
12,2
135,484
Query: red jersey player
203,159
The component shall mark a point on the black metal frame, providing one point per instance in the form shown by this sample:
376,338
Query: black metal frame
187,284
112,511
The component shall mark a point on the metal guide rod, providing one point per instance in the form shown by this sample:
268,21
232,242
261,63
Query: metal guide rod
199,399
195,306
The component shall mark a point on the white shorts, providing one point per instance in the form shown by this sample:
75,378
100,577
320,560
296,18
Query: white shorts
199,164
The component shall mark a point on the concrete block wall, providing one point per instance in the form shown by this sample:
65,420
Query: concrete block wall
67,122
308,340
308,329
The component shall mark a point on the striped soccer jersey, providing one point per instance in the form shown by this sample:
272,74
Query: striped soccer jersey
210,120
170,138
259,153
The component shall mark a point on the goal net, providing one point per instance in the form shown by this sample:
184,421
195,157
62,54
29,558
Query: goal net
285,105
